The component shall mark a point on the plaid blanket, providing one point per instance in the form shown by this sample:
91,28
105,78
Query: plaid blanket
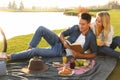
104,65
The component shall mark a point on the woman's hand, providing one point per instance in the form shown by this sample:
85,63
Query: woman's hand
102,43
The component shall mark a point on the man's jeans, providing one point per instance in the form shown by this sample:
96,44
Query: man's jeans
110,50
53,40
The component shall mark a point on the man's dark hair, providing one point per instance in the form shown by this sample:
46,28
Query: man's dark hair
86,16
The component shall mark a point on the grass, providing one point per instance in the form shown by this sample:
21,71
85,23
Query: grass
115,16
19,43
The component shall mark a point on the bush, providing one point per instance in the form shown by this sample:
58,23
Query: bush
97,10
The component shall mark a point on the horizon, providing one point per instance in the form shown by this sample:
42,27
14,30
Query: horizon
57,3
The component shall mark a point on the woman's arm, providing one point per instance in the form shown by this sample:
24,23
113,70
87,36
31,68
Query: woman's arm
110,37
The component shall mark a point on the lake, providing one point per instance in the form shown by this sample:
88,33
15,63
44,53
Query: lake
20,23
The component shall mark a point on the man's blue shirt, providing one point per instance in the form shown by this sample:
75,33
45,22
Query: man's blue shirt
90,40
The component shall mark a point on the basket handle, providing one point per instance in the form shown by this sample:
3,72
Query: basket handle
4,40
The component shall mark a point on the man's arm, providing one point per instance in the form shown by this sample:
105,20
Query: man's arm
62,39
86,56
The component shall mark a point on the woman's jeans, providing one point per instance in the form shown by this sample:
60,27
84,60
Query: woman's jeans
52,39
110,50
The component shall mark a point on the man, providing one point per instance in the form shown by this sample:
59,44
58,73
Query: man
58,44
83,35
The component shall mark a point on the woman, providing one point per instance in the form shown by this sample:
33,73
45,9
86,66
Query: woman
104,34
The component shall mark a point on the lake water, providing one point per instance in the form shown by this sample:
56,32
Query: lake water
20,23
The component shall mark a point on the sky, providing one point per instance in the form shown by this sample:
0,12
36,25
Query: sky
57,3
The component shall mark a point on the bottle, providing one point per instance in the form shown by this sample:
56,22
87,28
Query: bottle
72,63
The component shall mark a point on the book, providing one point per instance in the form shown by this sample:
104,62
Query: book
75,46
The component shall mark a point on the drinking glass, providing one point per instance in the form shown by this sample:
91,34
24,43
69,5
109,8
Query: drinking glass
98,41
64,58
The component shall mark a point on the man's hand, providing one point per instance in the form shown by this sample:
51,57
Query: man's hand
62,39
66,45
75,54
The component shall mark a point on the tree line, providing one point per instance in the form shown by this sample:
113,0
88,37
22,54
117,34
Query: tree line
13,5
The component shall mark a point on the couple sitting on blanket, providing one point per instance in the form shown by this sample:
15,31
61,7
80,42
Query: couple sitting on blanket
86,34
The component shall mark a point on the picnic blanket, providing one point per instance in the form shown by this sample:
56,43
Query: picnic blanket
104,65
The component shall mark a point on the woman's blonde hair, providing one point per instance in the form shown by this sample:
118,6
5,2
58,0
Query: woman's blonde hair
105,18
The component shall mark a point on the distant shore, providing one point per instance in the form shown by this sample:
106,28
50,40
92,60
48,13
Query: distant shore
70,12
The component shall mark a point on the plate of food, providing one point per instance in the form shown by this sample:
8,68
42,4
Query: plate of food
82,63
57,64
66,72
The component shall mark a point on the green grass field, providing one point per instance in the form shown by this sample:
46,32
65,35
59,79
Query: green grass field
19,43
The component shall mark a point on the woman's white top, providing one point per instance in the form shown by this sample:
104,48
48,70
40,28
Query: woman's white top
108,41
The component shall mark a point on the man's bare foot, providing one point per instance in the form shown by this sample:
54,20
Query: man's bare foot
3,56
8,56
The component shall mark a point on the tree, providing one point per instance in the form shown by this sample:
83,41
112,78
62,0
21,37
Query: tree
33,7
114,4
10,5
21,6
14,6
